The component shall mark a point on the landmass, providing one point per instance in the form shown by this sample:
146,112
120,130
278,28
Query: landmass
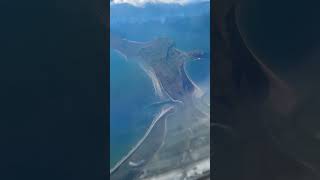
177,143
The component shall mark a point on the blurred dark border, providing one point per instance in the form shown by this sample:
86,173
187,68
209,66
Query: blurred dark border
54,90
212,62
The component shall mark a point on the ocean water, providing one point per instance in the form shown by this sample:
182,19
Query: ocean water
131,90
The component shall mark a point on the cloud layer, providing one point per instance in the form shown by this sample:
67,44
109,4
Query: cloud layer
142,2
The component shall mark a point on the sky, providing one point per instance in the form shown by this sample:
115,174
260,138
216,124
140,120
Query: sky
142,2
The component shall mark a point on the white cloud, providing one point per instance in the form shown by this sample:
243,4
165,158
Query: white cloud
142,2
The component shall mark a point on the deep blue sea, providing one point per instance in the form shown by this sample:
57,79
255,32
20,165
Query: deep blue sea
131,89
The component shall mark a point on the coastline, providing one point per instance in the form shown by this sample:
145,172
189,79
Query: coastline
142,140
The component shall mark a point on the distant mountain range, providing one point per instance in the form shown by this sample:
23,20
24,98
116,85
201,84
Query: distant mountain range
127,13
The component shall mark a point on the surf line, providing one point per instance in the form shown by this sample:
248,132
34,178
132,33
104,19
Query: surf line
125,158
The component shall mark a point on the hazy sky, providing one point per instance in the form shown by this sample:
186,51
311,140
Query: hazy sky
142,2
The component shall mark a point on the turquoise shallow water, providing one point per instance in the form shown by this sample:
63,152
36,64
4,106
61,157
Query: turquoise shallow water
131,89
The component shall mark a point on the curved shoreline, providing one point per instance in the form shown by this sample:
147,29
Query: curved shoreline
141,141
